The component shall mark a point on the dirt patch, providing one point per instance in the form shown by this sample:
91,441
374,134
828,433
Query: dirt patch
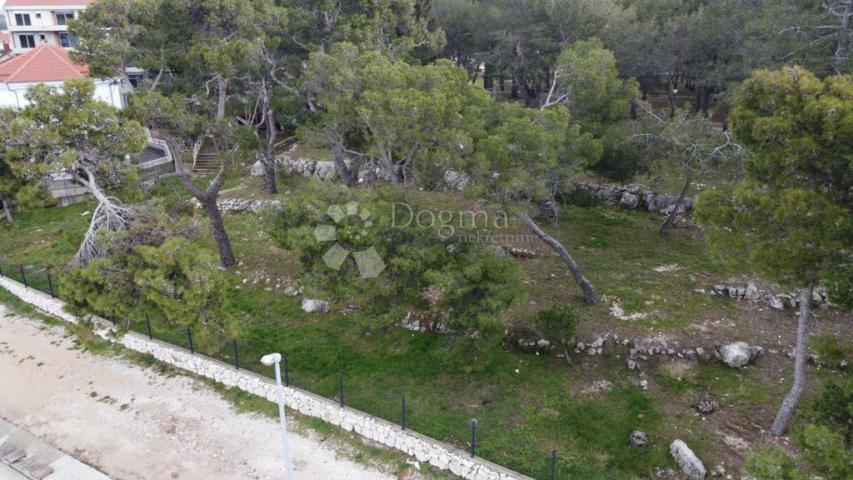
134,423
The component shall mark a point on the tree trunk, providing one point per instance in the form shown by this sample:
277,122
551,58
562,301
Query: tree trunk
588,289
670,94
268,160
488,83
391,168
801,360
223,243
670,219
208,200
706,99
7,210
840,57
222,90
344,171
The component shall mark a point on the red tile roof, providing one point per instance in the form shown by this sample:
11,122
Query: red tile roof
45,63
46,3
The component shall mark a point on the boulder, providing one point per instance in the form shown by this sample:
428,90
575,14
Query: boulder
629,201
315,306
638,438
738,354
456,180
776,303
325,170
752,292
257,169
689,463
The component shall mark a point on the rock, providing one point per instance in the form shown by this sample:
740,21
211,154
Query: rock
644,384
752,292
257,169
738,354
315,306
325,170
776,303
720,290
629,201
456,180
689,463
499,250
638,438
521,252
706,405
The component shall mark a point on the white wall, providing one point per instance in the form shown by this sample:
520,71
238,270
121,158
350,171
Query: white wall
13,95
424,449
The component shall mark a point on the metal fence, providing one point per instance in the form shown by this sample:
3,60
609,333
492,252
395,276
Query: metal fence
394,408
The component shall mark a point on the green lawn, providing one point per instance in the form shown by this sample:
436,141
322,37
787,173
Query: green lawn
526,405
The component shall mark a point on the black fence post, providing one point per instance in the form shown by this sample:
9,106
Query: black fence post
403,413
236,357
286,372
341,388
473,435
50,285
23,275
190,340
148,325
1,270
553,470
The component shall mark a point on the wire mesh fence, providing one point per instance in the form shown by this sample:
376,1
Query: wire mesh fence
369,396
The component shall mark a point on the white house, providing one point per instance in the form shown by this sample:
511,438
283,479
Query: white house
33,22
49,65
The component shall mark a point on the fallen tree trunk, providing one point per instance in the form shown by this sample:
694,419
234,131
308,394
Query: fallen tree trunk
588,289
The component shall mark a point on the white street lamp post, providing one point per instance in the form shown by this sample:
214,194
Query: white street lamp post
269,360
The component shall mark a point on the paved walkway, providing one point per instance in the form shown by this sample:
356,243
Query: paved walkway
23,456
133,423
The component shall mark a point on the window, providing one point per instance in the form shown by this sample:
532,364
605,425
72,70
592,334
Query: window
63,18
67,40
23,19
27,41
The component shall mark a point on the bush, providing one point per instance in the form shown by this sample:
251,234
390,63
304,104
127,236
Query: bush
558,325
459,288
773,463
831,350
620,160
154,270
834,407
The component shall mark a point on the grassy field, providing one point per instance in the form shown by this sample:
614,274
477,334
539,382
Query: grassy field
526,405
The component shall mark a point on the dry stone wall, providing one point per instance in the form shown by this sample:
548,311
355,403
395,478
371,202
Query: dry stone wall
424,449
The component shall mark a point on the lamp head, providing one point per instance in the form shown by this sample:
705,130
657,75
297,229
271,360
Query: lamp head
271,359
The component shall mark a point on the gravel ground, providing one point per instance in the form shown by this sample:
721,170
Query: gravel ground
133,423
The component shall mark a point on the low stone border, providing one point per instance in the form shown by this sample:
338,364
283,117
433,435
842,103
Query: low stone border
423,448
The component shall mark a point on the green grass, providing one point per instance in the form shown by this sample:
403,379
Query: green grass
526,405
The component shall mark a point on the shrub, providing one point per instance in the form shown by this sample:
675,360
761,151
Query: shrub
154,269
558,325
832,350
773,463
834,407
620,160
459,288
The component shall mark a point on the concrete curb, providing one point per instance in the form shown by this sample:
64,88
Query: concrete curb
423,448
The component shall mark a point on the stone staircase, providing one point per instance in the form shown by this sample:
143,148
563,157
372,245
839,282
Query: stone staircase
25,457
207,159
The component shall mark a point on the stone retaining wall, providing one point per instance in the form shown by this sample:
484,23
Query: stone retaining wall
424,449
